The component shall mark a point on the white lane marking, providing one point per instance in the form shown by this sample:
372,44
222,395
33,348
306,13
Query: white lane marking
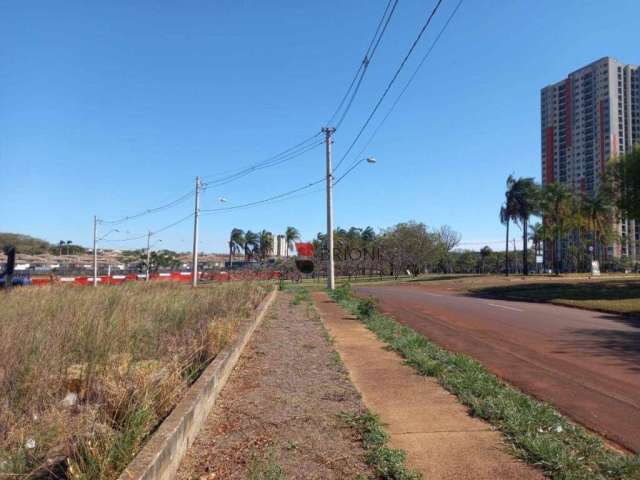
505,307
433,294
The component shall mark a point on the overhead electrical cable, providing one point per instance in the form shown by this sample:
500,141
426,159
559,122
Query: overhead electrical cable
404,89
249,170
362,69
290,153
173,203
154,232
391,82
264,200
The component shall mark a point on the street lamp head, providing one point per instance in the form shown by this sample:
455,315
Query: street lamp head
222,200
371,160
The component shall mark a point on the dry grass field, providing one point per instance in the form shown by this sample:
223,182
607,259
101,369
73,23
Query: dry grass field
86,374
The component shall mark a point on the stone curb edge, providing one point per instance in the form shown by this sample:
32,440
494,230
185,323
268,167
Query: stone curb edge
160,457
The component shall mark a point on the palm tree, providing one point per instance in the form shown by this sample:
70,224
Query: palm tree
507,213
291,235
69,242
236,242
250,244
368,235
599,212
555,208
60,244
536,235
504,220
485,252
525,195
265,240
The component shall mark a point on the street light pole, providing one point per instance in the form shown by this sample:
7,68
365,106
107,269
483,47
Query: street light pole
194,269
95,251
328,131
148,255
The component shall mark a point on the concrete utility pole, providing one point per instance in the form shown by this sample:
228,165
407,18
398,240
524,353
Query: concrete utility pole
148,256
194,269
331,281
95,251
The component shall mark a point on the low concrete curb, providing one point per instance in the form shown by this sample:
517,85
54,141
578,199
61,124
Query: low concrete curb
161,456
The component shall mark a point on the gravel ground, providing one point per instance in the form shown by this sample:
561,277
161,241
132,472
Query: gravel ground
278,416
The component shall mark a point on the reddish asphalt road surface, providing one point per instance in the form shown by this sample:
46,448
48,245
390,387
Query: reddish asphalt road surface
585,363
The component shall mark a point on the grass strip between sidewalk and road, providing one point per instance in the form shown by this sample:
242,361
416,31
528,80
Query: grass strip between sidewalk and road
535,431
388,463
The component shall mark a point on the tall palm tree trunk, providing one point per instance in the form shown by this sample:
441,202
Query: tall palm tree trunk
525,256
506,253
556,253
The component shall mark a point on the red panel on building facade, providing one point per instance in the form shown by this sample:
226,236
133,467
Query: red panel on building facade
568,105
548,151
602,160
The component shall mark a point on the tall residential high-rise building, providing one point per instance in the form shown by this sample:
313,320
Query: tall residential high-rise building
588,118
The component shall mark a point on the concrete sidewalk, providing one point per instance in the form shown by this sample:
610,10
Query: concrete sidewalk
441,440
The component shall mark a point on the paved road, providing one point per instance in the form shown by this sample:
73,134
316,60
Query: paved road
585,363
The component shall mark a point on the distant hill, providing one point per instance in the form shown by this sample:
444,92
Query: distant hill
25,243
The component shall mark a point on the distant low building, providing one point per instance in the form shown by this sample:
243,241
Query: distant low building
281,246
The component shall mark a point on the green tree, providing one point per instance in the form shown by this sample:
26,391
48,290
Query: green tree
160,259
236,243
555,206
485,252
26,244
508,212
291,235
525,195
623,183
265,243
599,212
251,243
368,235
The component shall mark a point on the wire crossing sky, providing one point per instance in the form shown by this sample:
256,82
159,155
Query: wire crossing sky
113,109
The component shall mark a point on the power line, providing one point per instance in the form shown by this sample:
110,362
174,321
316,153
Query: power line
362,69
393,79
289,153
173,203
284,156
404,89
265,200
260,166
154,232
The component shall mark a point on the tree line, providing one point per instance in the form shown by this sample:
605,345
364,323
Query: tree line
258,244
576,227
405,247
36,246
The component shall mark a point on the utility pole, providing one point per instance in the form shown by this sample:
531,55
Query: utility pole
148,256
194,269
95,251
328,132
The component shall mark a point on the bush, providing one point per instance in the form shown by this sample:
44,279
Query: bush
343,292
367,307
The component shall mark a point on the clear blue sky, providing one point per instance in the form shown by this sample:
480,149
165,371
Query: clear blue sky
114,107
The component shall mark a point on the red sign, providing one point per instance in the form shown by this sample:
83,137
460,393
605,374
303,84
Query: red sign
304,249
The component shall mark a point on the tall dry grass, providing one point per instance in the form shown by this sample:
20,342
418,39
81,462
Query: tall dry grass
86,374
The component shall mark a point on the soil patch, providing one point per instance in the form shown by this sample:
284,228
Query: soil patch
280,410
